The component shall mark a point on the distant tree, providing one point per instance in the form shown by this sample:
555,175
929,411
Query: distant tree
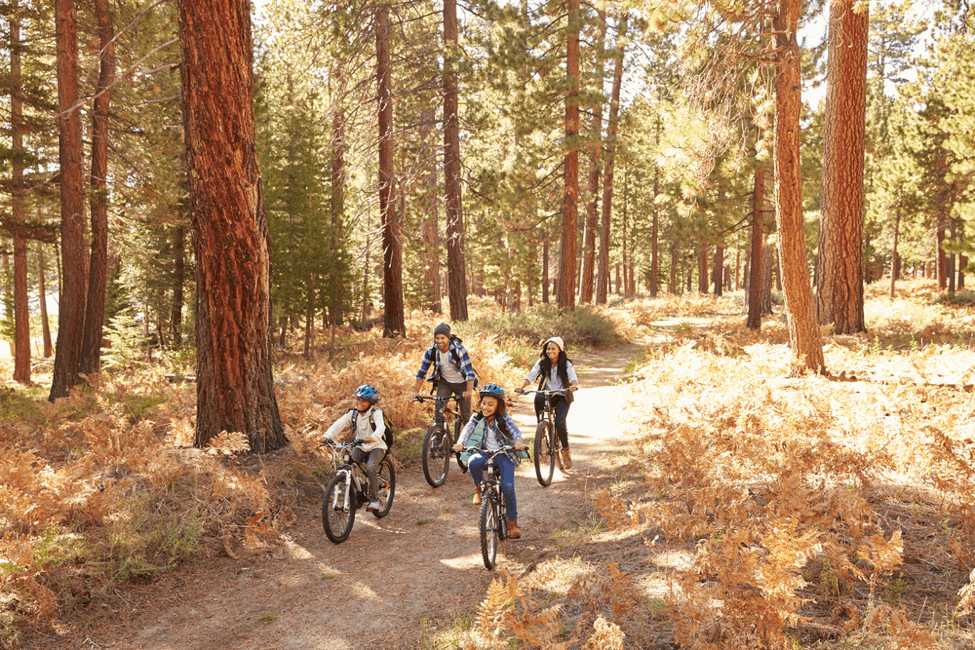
235,388
394,319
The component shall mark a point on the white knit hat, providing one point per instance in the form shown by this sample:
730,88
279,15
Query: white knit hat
557,340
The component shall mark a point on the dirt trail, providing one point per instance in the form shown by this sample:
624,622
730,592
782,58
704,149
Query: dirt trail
422,562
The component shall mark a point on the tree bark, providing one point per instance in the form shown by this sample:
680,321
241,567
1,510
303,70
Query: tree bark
717,273
179,279
42,297
840,275
804,336
894,259
587,277
430,227
754,321
22,355
235,387
394,318
702,269
91,347
565,298
456,271
612,127
71,311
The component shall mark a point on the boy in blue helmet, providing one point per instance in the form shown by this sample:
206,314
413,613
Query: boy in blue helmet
490,429
368,426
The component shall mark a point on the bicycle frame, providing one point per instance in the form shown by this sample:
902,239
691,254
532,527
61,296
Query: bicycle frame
439,438
494,513
547,442
348,467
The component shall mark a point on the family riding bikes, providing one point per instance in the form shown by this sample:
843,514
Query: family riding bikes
490,445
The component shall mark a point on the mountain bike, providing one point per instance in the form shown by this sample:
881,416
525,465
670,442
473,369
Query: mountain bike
349,490
438,441
494,514
548,446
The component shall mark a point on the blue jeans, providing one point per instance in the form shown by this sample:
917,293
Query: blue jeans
476,464
560,406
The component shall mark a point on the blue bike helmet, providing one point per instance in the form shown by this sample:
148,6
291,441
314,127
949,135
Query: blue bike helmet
493,390
368,393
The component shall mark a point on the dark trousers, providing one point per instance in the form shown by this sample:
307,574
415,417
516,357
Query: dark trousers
446,389
560,406
372,468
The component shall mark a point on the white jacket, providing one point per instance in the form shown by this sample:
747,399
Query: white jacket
363,425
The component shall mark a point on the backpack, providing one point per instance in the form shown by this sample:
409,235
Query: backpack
455,355
388,436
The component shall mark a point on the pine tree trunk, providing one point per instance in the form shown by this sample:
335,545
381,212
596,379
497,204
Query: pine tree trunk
456,271
840,275
42,298
394,318
337,206
71,309
235,387
602,279
717,275
179,280
545,278
894,256
91,347
754,288
673,286
587,277
430,227
22,355
565,297
942,260
804,336
702,269
768,264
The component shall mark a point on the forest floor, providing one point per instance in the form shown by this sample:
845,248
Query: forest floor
394,579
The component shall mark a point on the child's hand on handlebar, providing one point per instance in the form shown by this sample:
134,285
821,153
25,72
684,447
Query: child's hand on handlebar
458,447
519,445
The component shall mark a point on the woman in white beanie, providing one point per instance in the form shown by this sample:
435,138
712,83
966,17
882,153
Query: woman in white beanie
556,373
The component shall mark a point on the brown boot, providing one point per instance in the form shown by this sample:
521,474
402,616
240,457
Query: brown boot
566,459
513,531
477,495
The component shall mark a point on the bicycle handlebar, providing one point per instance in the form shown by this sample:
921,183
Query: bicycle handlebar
561,391
425,398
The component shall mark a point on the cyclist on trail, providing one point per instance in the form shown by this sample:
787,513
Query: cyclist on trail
490,429
453,373
556,373
368,426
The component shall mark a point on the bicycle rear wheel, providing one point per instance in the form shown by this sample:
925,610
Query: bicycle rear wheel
337,515
386,489
544,453
436,455
489,528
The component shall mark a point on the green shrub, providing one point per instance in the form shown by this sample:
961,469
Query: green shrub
583,327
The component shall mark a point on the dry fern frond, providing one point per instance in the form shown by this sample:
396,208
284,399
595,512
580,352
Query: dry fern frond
607,636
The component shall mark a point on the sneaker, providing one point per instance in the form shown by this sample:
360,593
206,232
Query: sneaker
373,507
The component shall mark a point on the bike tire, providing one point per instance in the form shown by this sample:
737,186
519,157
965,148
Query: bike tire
436,456
386,488
460,463
490,531
544,453
337,518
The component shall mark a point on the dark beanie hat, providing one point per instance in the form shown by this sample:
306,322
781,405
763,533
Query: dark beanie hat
442,328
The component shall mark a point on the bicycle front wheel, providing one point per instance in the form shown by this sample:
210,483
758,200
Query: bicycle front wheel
387,488
338,508
489,528
436,455
460,463
544,453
